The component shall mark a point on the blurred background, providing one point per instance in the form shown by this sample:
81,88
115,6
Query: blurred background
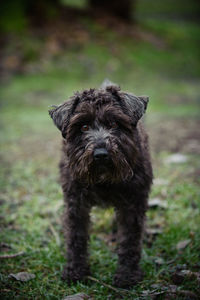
52,48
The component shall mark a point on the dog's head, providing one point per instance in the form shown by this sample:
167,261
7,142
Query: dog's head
100,131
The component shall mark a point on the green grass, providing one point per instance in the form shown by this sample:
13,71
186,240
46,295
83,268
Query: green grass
31,197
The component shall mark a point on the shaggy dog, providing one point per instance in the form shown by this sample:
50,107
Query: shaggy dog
105,162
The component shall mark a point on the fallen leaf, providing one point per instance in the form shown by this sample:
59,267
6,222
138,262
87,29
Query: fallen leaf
159,261
191,275
183,244
169,292
152,294
179,276
160,181
79,296
156,286
181,294
176,158
171,261
22,276
146,292
153,231
173,288
156,202
188,294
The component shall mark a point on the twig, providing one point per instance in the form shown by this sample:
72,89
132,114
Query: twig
55,234
12,255
123,292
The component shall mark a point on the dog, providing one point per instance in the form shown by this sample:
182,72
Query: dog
105,161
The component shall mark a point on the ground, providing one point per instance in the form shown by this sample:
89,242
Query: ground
160,61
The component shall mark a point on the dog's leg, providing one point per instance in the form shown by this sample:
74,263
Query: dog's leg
76,224
130,228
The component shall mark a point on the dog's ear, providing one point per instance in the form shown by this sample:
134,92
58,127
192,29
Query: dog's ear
61,114
145,101
136,105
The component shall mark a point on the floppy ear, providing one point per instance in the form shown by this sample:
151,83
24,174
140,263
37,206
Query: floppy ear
136,105
62,113
145,100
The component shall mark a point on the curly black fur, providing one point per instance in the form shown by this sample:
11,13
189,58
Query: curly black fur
106,120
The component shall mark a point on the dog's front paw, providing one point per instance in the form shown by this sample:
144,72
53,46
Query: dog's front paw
76,274
126,278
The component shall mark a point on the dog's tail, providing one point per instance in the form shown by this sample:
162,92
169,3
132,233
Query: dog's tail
106,83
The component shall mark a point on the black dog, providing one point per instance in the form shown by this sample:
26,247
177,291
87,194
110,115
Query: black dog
105,162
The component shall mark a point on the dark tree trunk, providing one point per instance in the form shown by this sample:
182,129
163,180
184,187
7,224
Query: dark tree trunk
120,8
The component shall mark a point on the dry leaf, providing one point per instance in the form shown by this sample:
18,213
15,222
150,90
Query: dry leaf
176,158
159,261
22,276
179,276
183,244
160,181
153,231
156,202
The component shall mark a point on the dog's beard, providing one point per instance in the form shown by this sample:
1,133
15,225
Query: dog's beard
86,170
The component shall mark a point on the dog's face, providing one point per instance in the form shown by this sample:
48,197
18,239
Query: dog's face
99,127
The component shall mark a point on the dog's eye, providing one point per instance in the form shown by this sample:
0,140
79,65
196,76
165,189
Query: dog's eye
113,125
85,128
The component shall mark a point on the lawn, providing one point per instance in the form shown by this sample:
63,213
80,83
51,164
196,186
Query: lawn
162,63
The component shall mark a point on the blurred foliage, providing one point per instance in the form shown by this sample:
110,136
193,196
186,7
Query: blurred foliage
169,9
15,15
12,16
18,15
75,3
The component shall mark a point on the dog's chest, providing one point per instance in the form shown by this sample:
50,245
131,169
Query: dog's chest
107,196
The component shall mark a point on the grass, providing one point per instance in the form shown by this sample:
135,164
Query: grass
31,197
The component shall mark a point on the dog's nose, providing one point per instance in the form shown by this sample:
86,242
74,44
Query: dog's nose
100,154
